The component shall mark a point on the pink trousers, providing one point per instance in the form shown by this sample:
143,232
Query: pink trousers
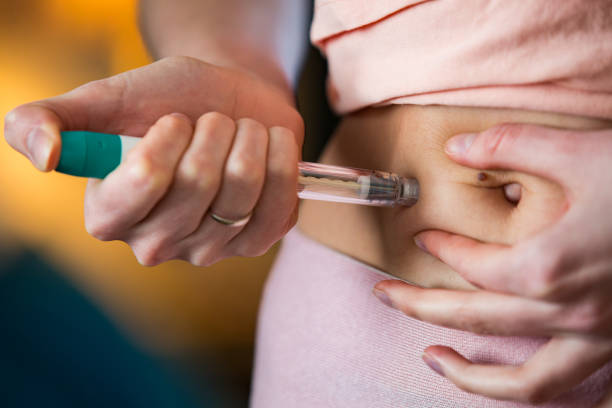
324,340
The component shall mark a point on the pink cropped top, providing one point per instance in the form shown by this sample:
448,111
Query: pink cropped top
546,55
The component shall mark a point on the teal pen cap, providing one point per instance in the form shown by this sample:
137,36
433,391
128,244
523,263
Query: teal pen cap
87,154
90,154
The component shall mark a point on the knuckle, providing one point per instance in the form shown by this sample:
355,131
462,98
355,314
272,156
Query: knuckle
587,317
252,249
294,123
177,123
282,167
215,120
199,174
152,253
244,170
282,132
203,258
498,137
545,274
145,175
100,230
145,259
251,125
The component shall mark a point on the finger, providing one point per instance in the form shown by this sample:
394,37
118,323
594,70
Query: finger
538,150
34,128
242,183
474,311
127,195
196,183
490,266
535,267
276,210
244,171
556,367
34,132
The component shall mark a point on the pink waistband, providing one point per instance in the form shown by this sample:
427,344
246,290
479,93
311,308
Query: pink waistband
323,340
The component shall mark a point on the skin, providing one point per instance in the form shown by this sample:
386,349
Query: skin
212,156
229,92
220,131
460,210
550,284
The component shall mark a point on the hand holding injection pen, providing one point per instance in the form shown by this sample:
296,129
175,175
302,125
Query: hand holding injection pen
90,154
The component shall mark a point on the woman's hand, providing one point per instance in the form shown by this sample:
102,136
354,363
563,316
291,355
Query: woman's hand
557,283
232,150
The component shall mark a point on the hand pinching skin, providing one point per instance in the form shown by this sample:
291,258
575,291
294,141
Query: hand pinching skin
556,283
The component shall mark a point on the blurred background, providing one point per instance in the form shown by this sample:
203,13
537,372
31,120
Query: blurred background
81,322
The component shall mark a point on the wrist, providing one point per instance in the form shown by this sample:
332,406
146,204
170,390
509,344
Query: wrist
262,67
254,63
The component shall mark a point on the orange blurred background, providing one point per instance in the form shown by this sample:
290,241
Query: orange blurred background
174,310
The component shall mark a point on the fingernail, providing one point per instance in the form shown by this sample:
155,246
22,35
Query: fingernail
420,244
433,364
382,296
460,144
39,144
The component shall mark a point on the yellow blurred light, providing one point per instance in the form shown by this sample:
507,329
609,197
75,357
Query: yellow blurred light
174,306
91,15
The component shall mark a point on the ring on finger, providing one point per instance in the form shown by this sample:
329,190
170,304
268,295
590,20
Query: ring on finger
230,222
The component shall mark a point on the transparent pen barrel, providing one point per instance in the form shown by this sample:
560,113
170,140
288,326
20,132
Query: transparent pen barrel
350,185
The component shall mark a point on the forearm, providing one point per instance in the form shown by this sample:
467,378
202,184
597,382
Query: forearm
264,37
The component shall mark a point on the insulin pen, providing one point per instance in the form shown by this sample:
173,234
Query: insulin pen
91,154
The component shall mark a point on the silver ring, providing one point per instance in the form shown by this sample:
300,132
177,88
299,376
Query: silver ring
231,223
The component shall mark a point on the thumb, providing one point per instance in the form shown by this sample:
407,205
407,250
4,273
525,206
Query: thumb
33,130
538,150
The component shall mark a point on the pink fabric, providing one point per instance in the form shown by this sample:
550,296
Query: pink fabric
545,55
324,340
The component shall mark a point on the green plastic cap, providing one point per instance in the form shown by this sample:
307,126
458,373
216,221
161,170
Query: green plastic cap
89,154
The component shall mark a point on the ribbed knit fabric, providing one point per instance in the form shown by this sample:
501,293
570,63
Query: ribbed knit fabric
324,340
